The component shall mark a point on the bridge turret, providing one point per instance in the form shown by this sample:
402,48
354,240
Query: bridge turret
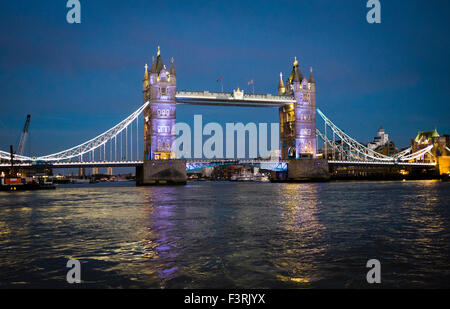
146,86
173,73
296,75
146,79
288,87
281,88
153,68
311,76
311,81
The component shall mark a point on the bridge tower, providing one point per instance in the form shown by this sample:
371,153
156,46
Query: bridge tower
298,128
160,87
298,121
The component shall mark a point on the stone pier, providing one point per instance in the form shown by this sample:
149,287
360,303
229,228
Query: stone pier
162,172
303,170
308,170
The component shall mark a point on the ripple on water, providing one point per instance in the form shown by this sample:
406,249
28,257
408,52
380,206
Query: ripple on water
228,235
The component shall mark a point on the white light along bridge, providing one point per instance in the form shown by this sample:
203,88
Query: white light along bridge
194,165
119,146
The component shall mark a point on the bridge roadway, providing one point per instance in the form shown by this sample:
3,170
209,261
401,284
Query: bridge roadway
198,164
232,99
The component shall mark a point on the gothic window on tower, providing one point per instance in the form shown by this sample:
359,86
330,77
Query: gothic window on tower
305,132
307,147
164,112
163,90
305,117
163,129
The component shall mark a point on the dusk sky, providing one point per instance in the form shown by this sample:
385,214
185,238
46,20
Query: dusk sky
78,80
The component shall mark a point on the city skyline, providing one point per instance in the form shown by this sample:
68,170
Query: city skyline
78,80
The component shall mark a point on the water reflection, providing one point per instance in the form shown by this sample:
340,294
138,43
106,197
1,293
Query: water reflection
303,234
227,235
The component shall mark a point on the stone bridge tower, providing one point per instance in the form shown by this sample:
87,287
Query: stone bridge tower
298,121
298,129
159,87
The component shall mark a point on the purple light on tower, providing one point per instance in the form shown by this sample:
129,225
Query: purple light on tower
159,87
305,112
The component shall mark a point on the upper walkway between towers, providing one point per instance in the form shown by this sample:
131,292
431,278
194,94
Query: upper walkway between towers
235,98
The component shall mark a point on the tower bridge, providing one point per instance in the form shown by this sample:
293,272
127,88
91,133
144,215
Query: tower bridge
296,104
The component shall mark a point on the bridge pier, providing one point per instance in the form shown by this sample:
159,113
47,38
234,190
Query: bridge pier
161,172
303,170
308,170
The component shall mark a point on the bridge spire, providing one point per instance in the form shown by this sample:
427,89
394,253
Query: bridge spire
153,67
281,88
146,76
172,68
159,63
311,76
296,74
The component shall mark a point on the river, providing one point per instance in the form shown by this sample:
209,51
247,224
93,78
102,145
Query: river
228,235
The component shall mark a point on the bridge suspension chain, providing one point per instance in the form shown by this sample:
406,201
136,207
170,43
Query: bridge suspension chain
355,151
417,154
90,146
354,145
343,152
7,157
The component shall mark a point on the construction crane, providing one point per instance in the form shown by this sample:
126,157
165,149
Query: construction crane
23,137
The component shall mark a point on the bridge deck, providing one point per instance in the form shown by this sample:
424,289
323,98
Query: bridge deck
230,99
27,165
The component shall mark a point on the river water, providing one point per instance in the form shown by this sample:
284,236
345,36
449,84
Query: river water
228,235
